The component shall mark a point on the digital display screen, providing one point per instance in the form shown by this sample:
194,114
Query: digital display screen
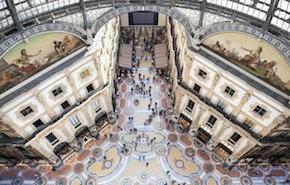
143,18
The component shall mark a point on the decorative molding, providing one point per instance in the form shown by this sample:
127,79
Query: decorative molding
133,8
39,29
273,40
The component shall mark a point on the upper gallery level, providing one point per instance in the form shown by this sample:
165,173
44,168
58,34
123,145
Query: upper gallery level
217,85
54,90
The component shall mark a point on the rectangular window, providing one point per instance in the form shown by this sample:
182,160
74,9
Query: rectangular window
65,105
84,74
90,88
26,111
51,138
57,91
38,124
229,91
196,88
234,138
259,110
75,121
96,105
211,121
202,73
190,105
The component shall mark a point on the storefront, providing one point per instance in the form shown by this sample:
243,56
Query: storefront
83,134
102,125
63,150
203,135
222,151
184,122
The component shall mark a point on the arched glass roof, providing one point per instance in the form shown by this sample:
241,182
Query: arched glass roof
16,15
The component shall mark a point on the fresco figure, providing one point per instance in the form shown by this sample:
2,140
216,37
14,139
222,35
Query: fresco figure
253,58
24,62
219,48
270,68
58,46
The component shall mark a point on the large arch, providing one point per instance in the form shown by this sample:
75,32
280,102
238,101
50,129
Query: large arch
43,28
102,20
227,26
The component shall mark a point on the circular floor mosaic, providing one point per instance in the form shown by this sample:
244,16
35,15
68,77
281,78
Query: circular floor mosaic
179,164
61,181
40,181
97,152
245,180
173,138
129,81
197,143
161,182
126,182
226,181
195,181
129,95
215,158
17,181
127,151
160,150
286,166
107,164
189,152
157,81
144,176
269,180
158,126
128,110
128,126
91,181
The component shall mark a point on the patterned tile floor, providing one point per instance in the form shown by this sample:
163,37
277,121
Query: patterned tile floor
152,155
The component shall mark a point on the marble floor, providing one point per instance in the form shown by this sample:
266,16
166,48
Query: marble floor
143,151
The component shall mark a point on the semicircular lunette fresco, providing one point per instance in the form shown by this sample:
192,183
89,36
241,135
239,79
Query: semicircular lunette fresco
38,52
254,55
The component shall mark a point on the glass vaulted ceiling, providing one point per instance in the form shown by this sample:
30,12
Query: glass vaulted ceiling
257,9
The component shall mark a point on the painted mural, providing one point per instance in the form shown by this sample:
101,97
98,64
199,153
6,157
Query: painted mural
254,55
33,55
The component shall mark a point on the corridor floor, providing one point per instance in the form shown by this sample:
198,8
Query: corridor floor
150,154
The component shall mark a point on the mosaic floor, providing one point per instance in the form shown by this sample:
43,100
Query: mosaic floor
144,151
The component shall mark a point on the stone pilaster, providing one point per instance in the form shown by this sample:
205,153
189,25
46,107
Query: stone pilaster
243,101
48,109
198,117
72,84
219,133
214,83
97,64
